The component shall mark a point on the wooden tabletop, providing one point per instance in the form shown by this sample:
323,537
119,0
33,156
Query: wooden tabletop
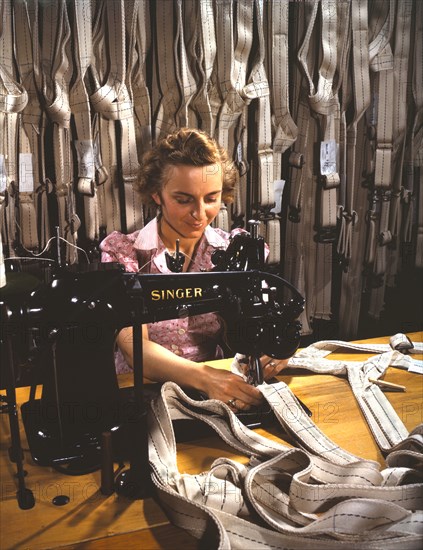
93,521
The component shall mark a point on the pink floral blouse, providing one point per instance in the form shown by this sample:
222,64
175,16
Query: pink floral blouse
197,337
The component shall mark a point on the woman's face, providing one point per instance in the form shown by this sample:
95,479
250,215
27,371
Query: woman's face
190,199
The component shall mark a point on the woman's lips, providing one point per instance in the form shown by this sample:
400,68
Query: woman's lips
196,225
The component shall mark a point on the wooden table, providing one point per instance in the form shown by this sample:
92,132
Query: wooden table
93,521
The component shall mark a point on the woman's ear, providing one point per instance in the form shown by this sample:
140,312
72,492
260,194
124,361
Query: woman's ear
156,198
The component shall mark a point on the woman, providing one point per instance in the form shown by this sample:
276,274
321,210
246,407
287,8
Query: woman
186,176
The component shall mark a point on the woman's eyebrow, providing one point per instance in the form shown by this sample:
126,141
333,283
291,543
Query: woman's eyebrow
189,195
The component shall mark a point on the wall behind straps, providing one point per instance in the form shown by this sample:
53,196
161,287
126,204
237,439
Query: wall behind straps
319,103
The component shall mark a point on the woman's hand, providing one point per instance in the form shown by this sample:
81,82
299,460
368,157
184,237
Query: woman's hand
272,367
229,388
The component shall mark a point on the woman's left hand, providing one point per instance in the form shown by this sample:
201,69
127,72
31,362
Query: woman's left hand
272,367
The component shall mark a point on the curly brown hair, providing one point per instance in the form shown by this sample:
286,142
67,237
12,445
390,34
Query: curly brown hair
187,146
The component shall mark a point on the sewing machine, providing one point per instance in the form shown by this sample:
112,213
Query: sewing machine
72,323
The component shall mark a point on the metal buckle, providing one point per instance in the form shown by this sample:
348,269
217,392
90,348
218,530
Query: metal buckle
325,235
294,214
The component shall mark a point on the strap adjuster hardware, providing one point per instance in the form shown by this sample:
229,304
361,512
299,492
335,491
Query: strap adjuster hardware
294,214
325,235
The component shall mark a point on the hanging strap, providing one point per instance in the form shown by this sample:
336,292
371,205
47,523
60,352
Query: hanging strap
170,98
234,34
403,28
381,64
13,99
139,32
184,74
417,141
113,101
54,61
207,47
266,188
104,132
79,101
299,229
29,132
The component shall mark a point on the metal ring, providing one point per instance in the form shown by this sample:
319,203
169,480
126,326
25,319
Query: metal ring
231,403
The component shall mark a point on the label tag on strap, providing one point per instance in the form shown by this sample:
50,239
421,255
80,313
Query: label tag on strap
328,154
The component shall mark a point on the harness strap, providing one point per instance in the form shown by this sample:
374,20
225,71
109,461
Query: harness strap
138,29
264,193
207,47
28,133
384,422
79,101
280,484
417,135
13,98
403,21
170,97
234,34
104,134
300,217
184,74
113,101
55,76
381,65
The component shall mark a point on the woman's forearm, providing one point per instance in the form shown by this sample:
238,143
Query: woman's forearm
161,365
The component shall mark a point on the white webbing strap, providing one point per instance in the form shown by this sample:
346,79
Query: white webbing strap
13,98
232,59
417,150
104,132
301,200
323,100
402,46
29,134
188,86
234,34
112,100
138,29
419,243
44,186
207,48
384,422
361,84
264,192
79,101
55,65
285,486
352,235
170,97
381,64
285,131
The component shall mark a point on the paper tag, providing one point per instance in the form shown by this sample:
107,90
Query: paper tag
417,367
3,175
328,150
26,174
278,186
239,154
86,162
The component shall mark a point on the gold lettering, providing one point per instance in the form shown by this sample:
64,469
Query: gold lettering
155,295
179,293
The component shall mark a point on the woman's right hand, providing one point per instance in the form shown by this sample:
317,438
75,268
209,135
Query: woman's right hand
229,388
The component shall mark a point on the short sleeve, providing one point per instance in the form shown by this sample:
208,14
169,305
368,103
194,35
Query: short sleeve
118,247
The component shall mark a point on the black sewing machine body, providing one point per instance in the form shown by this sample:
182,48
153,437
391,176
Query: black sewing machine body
74,320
